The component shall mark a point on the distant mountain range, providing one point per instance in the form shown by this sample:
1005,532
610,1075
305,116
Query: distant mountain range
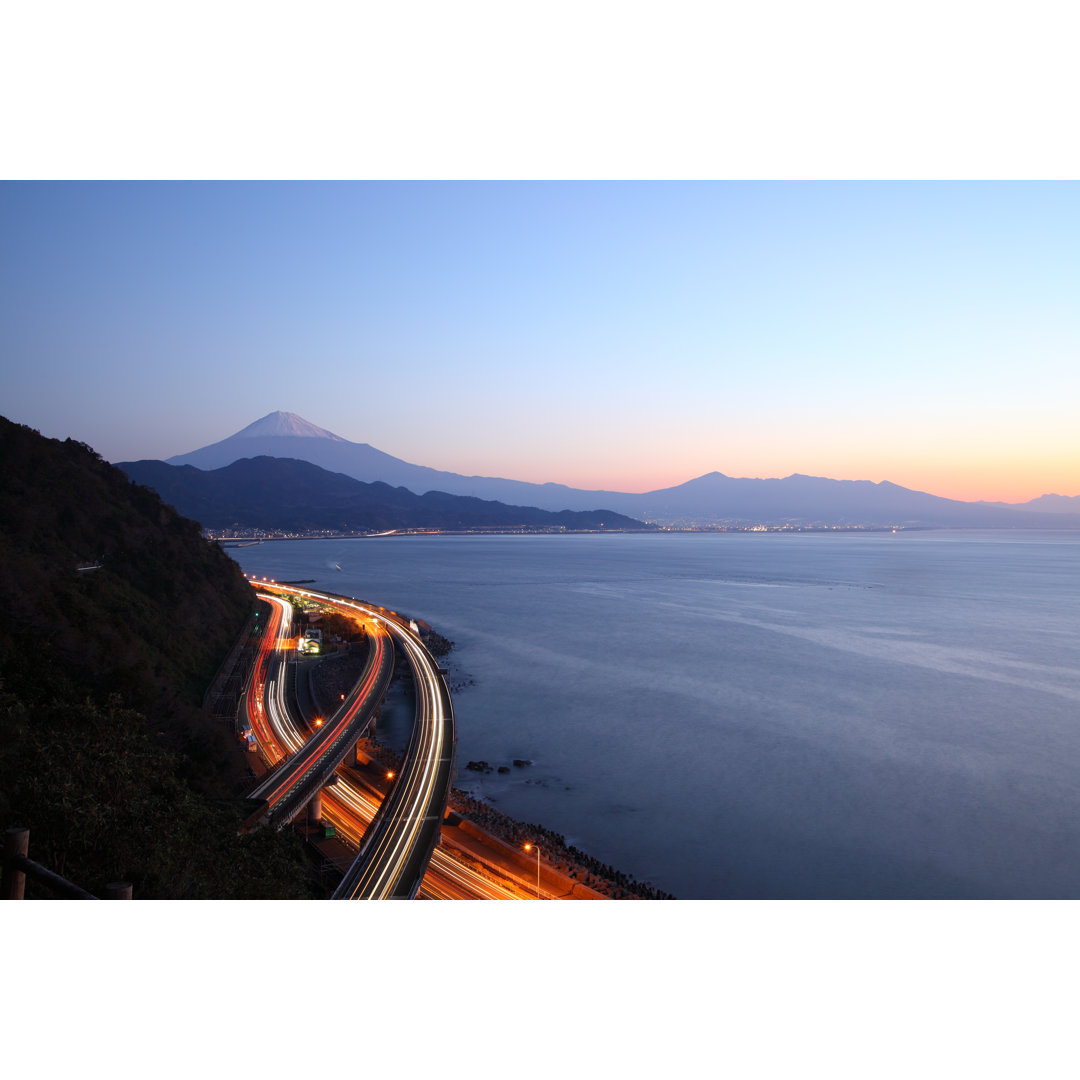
710,499
1049,504
297,496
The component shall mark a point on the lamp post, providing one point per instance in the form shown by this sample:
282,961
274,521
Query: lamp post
529,847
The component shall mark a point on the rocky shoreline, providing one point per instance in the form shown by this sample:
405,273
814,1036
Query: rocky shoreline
566,858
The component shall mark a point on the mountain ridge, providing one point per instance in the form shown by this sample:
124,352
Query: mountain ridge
710,499
290,494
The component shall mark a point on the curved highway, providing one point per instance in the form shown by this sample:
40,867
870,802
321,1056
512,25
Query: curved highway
271,648
399,844
350,807
304,774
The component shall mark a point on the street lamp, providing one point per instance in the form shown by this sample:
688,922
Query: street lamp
529,847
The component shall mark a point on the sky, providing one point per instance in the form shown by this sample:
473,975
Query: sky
613,335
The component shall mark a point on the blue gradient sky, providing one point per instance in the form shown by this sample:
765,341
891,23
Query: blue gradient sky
617,335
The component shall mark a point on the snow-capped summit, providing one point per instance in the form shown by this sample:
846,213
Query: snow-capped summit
286,423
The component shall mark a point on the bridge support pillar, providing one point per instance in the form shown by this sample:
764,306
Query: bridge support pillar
315,807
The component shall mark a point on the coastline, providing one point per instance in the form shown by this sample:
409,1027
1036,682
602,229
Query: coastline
499,840
482,833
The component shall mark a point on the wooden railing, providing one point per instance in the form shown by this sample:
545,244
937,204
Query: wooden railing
17,867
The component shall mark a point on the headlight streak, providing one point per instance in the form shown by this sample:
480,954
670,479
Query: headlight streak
347,806
256,710
391,855
280,720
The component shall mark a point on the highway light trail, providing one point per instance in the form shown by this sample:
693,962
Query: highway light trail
270,647
311,762
348,806
397,851
384,863
314,752
351,810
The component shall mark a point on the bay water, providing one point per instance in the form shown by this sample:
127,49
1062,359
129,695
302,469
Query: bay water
758,715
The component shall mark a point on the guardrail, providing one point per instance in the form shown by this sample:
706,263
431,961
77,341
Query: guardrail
226,689
18,867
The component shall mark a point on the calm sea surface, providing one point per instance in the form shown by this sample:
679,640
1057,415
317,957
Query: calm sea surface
759,715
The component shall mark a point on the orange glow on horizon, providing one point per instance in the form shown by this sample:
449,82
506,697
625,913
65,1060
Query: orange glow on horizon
964,478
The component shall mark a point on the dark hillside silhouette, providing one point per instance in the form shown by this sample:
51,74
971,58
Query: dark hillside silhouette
117,614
